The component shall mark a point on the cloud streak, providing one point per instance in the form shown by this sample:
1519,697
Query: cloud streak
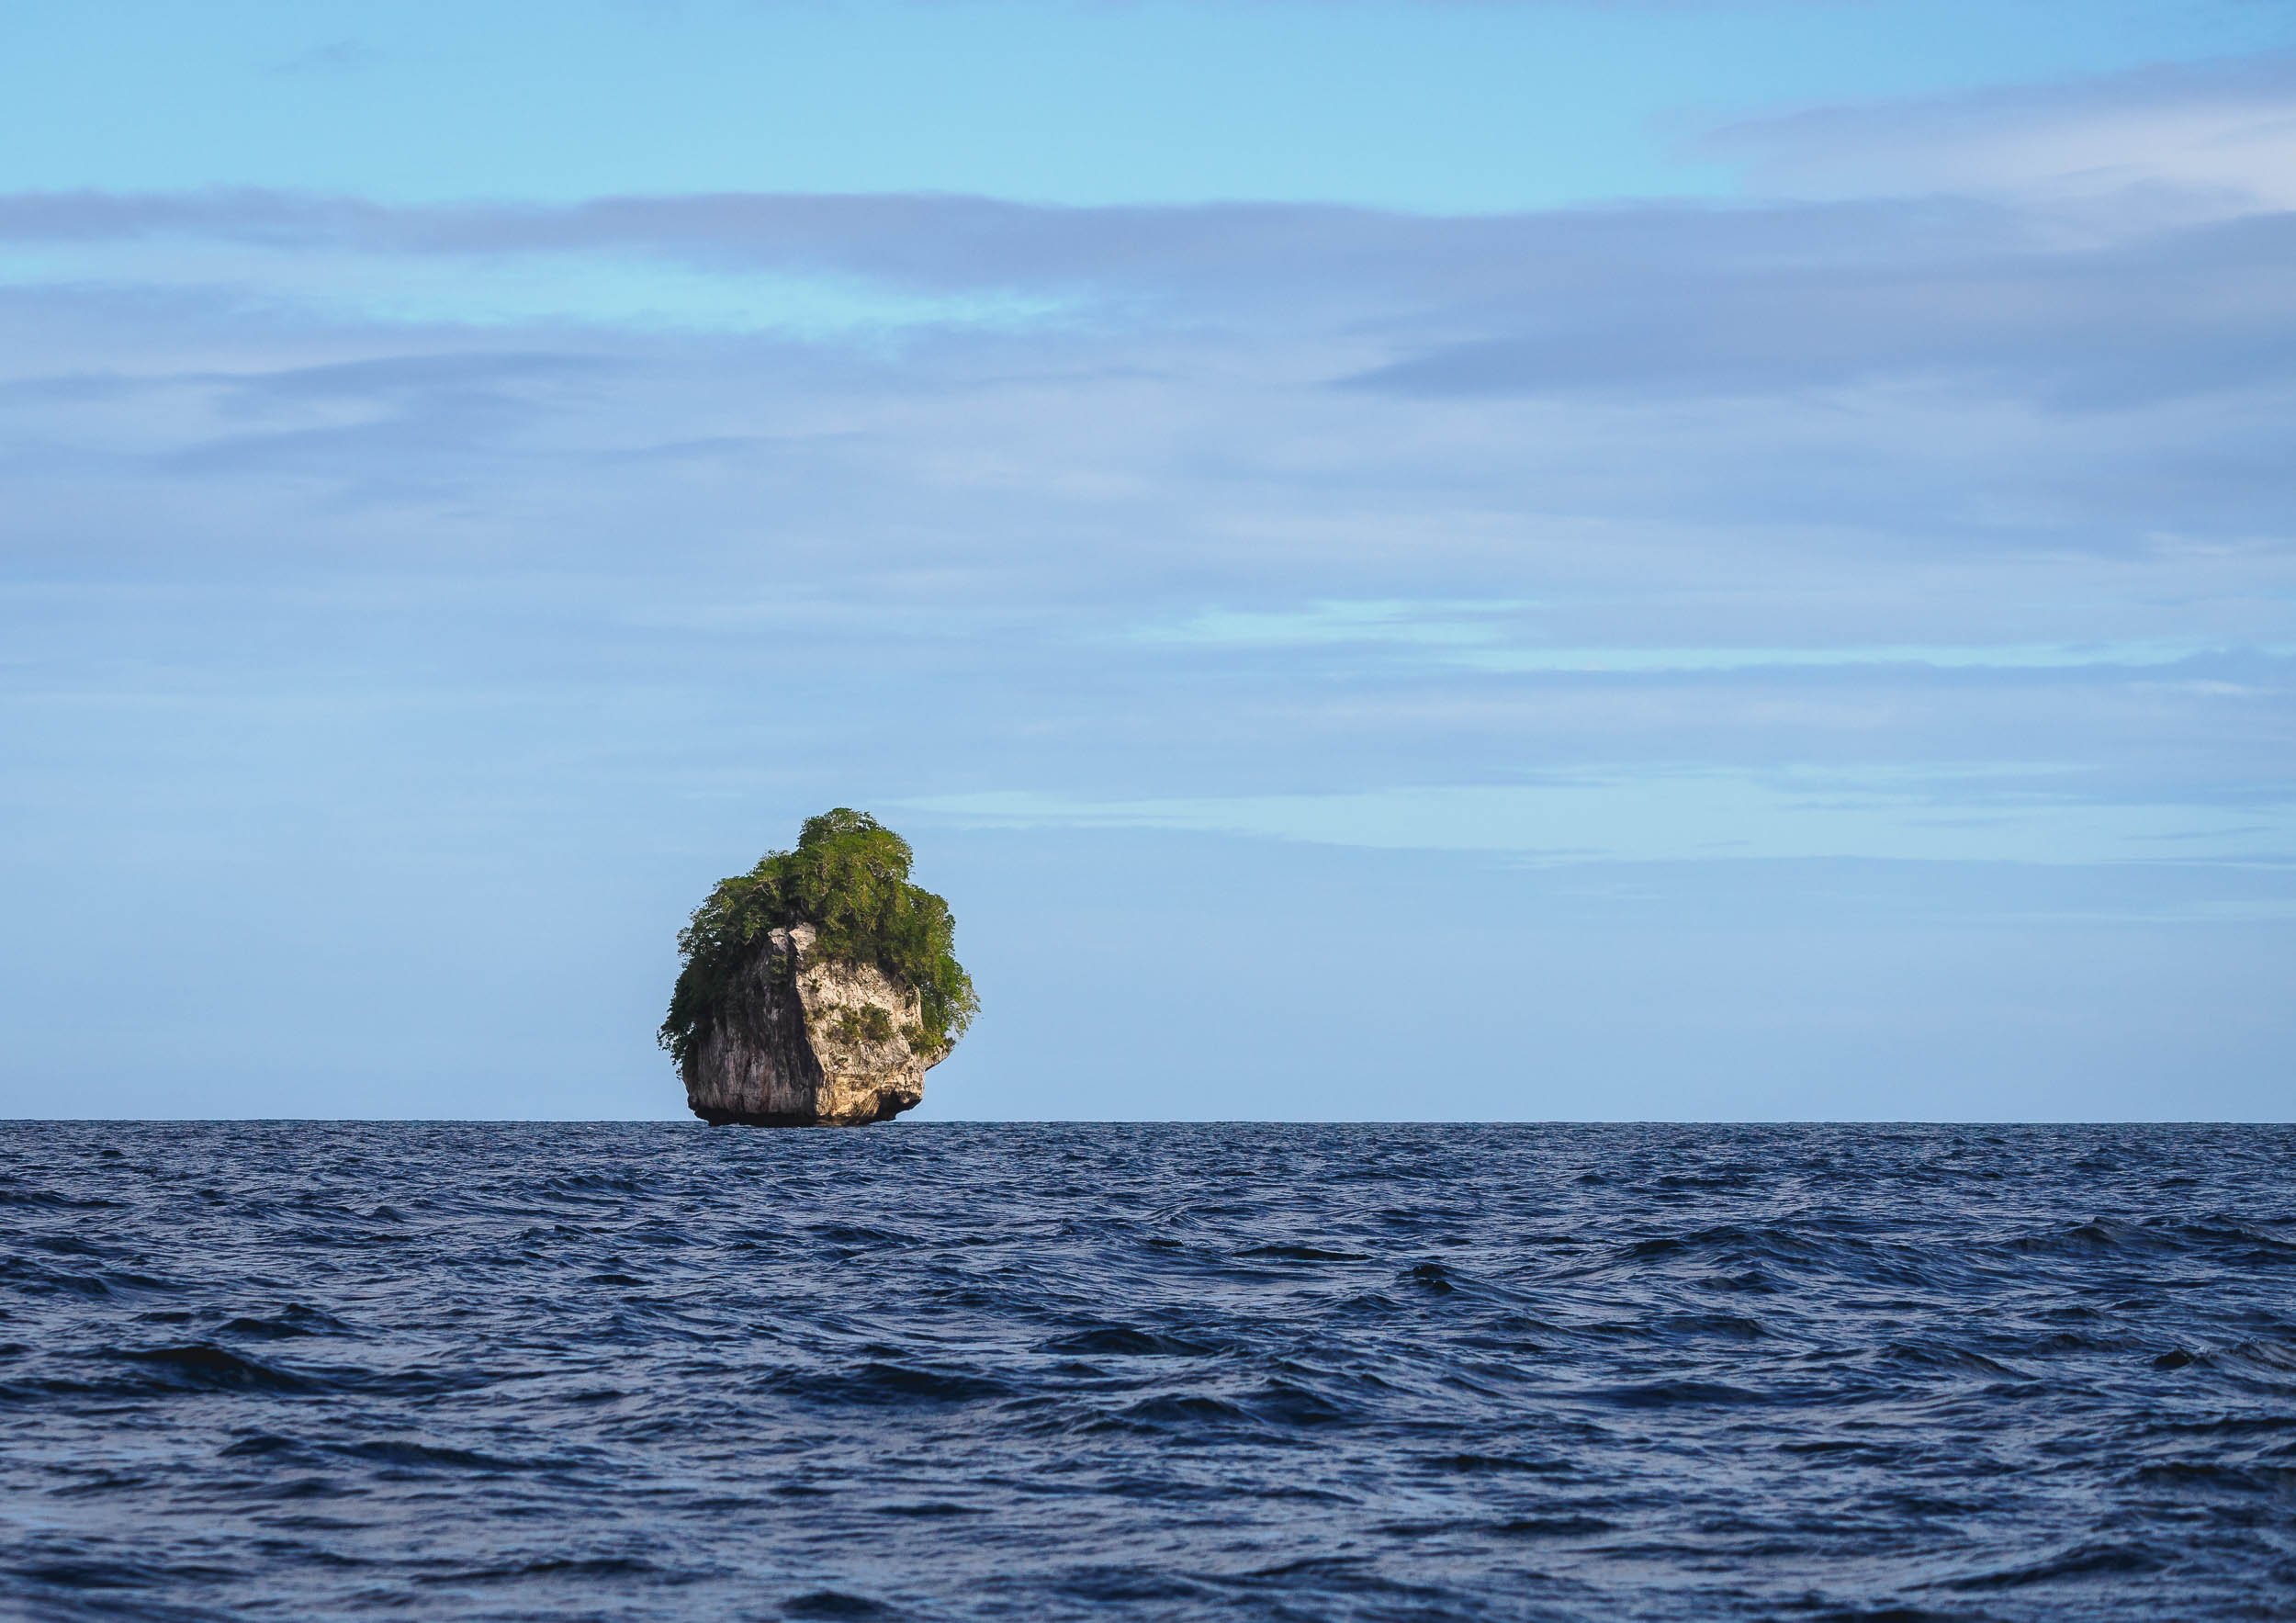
1682,300
1699,816
2195,138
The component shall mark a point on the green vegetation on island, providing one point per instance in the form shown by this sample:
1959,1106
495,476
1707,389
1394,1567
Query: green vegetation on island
850,879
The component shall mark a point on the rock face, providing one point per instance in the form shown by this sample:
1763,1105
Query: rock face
808,1041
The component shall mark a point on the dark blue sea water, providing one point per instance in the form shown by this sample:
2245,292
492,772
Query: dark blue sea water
656,1371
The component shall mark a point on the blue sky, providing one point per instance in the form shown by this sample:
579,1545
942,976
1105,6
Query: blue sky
1490,561
1428,105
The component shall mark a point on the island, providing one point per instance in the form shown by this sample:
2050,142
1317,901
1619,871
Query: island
817,988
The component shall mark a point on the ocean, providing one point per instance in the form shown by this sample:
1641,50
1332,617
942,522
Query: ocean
605,1372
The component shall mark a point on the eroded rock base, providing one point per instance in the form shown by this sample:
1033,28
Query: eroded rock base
809,1041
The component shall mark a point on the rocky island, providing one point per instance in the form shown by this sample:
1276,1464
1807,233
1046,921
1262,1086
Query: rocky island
820,986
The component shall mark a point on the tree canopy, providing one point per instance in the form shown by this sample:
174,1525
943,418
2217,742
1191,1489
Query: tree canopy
848,878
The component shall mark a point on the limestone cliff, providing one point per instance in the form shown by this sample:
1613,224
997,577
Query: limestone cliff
806,1040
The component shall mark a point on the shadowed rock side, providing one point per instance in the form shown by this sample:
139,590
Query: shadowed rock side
808,1041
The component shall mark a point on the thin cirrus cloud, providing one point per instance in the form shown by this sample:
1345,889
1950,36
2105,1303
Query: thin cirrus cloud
1667,300
1473,635
1699,815
2209,137
2135,382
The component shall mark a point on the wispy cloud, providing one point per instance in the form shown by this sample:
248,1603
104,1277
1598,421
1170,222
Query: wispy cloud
1654,301
1700,815
1451,624
1494,636
2192,138
332,58
1486,637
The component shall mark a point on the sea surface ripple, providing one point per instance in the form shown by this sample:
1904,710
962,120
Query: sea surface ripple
465,1371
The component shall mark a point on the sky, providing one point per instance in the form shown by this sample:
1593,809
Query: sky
1482,560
